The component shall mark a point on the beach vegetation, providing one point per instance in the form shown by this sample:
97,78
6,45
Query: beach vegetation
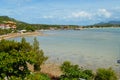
74,72
14,57
5,31
39,58
33,76
105,74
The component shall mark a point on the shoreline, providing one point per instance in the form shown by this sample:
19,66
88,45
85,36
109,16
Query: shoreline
53,68
13,35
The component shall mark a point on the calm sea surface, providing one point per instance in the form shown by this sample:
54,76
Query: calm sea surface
91,48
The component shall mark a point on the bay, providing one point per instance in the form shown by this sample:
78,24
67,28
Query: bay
90,48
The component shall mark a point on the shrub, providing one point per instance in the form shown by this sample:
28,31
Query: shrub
33,76
37,76
105,74
73,72
40,58
14,57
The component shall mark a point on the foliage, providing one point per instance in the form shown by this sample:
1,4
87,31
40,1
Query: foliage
30,28
33,76
14,57
37,76
105,74
73,72
6,18
40,58
5,31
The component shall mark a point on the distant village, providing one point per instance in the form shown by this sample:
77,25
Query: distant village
8,25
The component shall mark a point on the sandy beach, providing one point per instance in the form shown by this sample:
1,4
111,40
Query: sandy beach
12,35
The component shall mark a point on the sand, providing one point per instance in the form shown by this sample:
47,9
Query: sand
13,35
51,69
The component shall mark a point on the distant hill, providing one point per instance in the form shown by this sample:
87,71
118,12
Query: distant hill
110,22
107,24
31,27
114,22
20,25
6,18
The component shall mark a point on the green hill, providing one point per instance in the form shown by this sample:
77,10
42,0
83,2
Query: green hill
32,27
6,18
109,24
20,25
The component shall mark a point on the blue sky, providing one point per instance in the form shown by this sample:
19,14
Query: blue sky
74,12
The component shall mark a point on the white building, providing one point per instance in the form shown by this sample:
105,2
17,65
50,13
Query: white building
6,26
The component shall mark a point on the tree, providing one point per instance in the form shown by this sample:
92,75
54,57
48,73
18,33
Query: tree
13,58
25,46
30,28
40,58
105,74
73,72
34,76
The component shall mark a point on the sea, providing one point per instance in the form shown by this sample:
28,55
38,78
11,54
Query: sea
89,48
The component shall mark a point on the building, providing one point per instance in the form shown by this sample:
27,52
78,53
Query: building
8,25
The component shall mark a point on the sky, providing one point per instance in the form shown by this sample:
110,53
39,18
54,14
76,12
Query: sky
72,12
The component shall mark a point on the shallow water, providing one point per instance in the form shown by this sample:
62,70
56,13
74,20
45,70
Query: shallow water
91,48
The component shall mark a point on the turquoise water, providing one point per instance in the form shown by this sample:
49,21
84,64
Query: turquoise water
91,48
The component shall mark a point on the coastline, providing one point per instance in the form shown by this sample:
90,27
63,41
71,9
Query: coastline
13,35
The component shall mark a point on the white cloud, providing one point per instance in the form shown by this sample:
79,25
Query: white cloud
104,12
81,14
47,17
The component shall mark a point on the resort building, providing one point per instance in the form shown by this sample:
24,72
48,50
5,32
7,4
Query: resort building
8,25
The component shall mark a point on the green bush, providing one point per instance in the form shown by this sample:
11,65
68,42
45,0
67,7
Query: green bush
105,74
33,76
15,78
37,76
14,57
73,72
39,58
